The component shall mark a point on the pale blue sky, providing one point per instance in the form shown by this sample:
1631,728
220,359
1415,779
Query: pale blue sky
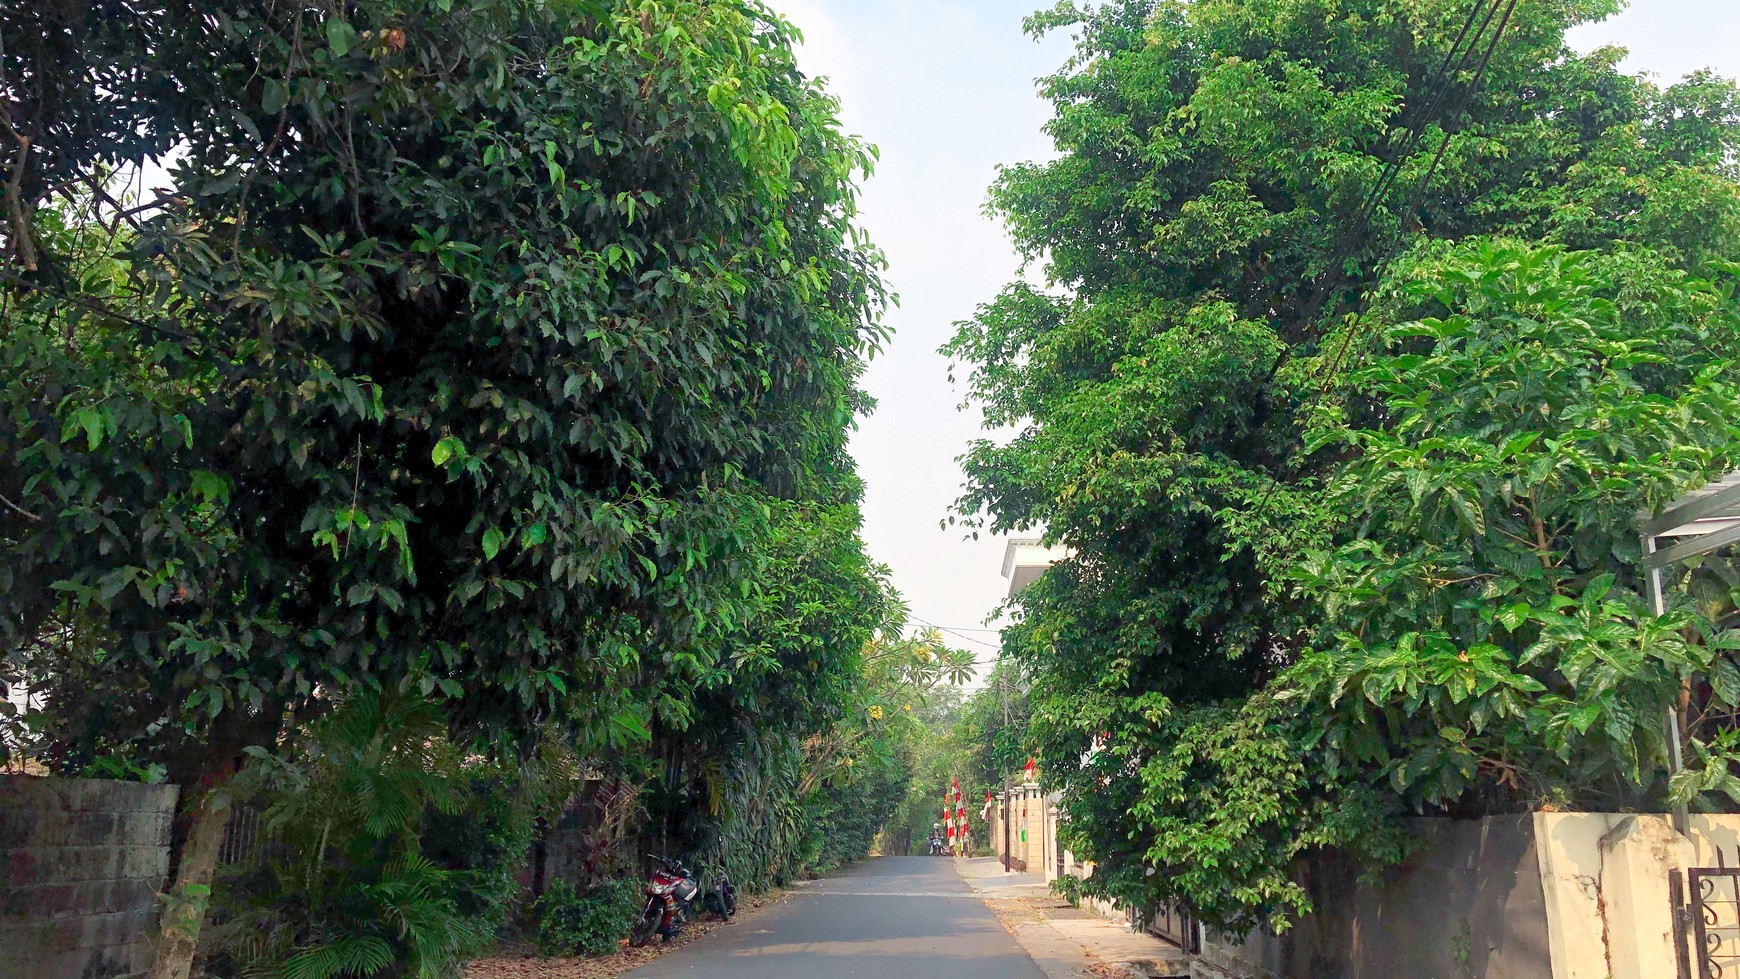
945,89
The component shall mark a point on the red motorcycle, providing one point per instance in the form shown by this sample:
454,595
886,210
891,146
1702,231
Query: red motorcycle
669,894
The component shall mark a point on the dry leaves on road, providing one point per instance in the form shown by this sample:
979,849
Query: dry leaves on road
525,964
1012,911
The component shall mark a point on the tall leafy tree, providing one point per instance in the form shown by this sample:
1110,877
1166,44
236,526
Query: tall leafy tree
1232,178
469,351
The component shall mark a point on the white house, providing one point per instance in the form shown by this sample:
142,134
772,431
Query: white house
1026,558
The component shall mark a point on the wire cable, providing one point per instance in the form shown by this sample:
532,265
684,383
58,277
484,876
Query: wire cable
1454,62
1416,117
958,635
1419,199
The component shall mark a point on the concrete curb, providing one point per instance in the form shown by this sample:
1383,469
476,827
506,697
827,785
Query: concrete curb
1071,952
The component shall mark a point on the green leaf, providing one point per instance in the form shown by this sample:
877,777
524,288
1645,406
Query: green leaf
1725,681
1514,616
631,726
1583,716
274,96
210,486
1519,443
340,36
92,422
492,542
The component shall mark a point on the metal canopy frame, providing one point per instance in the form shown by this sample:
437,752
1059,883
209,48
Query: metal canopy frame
1699,522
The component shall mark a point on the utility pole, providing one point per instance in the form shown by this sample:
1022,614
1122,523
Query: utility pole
1003,688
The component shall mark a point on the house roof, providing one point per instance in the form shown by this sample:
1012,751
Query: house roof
1026,558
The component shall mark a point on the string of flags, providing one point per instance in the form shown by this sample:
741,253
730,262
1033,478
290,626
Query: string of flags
955,814
960,812
954,807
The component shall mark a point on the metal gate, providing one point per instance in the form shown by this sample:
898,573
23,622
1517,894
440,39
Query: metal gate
1707,916
1171,924
243,836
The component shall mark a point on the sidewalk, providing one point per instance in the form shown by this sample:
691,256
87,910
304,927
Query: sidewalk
1066,942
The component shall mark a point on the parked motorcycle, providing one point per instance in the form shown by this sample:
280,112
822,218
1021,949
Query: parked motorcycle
669,894
721,898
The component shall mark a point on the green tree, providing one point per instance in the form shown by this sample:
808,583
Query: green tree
1204,234
1484,635
735,786
470,353
888,749
992,727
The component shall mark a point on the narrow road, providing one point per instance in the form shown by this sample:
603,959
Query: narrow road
887,918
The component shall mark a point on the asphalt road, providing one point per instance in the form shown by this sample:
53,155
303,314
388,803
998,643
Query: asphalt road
893,917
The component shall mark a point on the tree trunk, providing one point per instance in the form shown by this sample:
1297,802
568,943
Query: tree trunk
186,902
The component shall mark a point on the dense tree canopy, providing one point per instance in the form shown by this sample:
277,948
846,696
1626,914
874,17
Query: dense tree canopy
492,361
472,346
1249,515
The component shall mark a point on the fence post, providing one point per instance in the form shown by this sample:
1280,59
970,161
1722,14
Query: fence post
1677,905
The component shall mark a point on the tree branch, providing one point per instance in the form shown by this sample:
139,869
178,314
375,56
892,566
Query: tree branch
23,247
95,307
18,509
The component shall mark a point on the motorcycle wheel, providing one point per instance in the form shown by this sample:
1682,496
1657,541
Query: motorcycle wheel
730,902
677,921
647,926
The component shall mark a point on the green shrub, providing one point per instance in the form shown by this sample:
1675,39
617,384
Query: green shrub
392,850
588,922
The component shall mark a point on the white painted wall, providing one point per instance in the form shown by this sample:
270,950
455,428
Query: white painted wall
1609,915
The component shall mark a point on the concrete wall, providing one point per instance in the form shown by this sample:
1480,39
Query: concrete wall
1609,907
1469,904
1541,896
81,862
1029,811
1544,896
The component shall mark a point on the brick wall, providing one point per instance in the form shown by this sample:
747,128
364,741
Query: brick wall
81,862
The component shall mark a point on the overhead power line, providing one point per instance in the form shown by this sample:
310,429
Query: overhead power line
957,634
1456,60
1417,116
1418,200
